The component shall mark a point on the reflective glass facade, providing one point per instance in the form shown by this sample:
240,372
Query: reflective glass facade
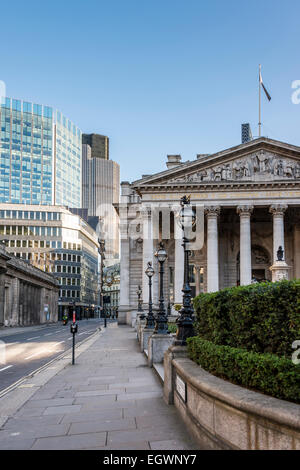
40,155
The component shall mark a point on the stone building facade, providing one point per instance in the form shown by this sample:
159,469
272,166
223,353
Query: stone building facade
250,198
28,296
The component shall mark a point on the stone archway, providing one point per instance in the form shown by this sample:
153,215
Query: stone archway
261,263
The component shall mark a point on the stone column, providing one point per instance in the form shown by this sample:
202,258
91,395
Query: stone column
2,295
278,211
245,244
124,266
197,279
15,320
297,251
148,253
179,263
212,214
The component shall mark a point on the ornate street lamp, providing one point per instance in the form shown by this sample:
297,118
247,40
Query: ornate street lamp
161,326
150,323
139,294
101,251
185,322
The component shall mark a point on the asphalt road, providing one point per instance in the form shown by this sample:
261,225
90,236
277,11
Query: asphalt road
26,351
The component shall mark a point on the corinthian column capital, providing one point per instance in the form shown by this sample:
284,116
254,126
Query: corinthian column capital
245,210
278,209
212,211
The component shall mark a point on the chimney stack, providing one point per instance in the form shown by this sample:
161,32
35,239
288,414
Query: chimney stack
173,161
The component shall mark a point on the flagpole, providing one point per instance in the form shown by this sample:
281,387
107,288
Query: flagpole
259,120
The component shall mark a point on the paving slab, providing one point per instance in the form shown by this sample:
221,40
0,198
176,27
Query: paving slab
78,442
110,400
61,410
103,425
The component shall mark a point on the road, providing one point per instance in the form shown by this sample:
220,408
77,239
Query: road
26,351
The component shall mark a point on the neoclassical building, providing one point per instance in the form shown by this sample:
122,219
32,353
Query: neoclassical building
250,197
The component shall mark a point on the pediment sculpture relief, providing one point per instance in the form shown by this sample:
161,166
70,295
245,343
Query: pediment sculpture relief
256,167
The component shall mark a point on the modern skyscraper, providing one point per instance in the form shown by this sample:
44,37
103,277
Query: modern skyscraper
99,145
246,133
40,155
101,189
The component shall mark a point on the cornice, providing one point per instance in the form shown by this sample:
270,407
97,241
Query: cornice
232,186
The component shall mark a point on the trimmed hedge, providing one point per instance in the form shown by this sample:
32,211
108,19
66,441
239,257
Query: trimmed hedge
266,373
172,327
262,318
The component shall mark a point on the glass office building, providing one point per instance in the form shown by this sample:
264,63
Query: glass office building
40,155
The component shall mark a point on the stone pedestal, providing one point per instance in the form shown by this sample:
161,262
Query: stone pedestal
138,320
122,315
141,326
174,352
157,346
280,271
145,335
131,318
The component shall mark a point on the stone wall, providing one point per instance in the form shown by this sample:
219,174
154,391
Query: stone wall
28,295
227,416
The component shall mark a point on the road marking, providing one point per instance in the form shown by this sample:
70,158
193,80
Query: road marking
35,354
48,334
35,337
12,344
4,368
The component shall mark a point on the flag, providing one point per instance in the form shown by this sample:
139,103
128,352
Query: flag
264,88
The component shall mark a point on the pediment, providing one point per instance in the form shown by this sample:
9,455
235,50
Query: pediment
256,167
261,160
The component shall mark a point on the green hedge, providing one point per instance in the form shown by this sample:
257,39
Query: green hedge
172,327
266,373
262,318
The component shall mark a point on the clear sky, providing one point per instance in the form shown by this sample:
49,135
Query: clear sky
159,76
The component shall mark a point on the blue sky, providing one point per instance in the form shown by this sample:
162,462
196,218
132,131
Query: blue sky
157,77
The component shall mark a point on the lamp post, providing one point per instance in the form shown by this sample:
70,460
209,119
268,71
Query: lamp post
109,282
101,251
74,330
139,294
161,326
185,322
150,322
74,311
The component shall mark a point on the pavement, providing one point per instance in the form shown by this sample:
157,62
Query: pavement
109,400
24,350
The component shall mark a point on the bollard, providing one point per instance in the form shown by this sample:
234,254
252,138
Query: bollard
74,330
105,320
